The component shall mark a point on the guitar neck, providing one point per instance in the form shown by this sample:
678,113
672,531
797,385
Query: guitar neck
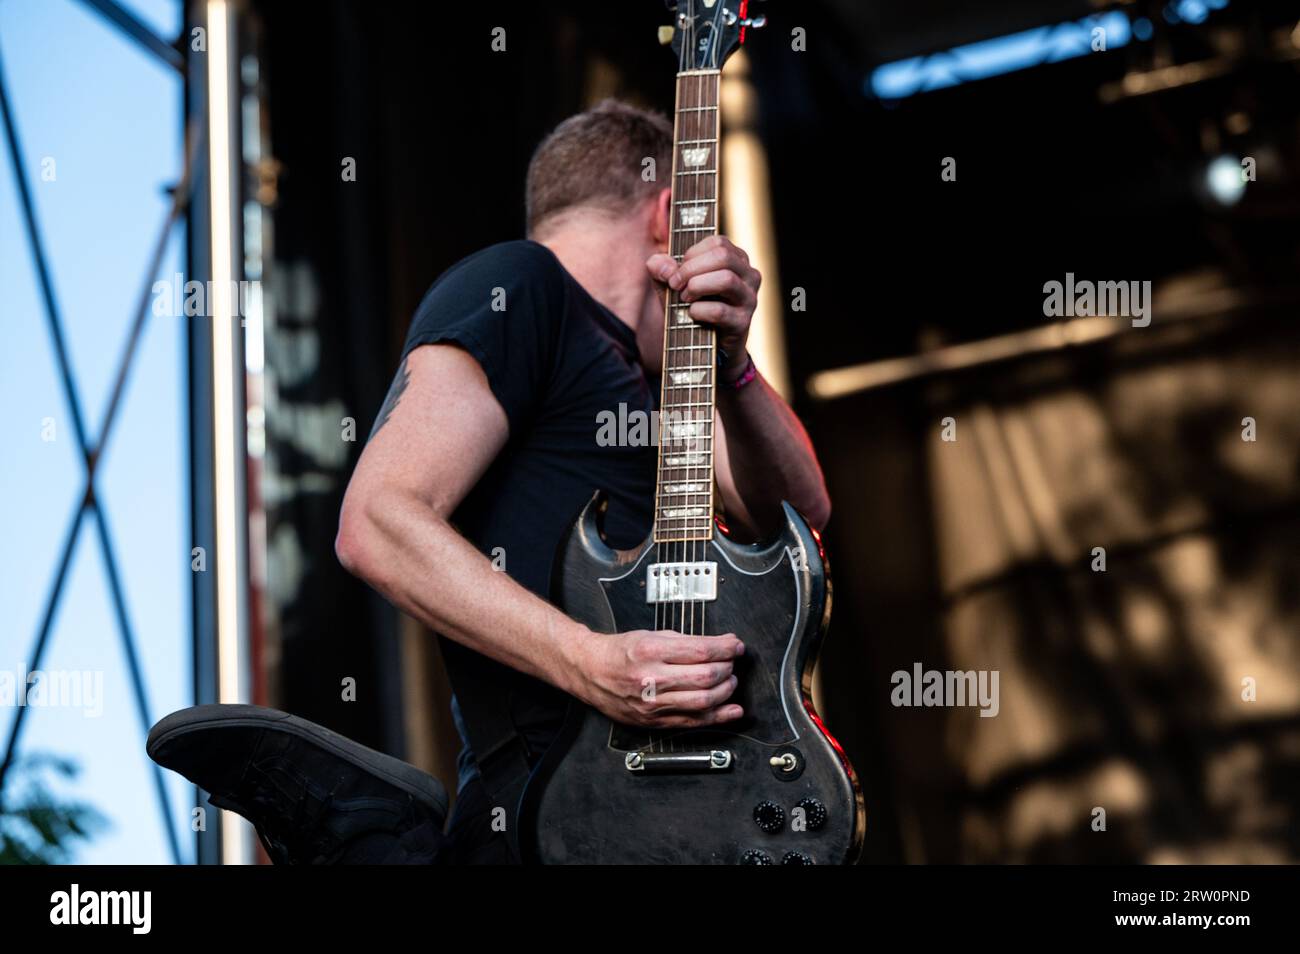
684,492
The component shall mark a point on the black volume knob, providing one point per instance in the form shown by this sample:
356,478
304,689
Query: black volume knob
814,813
769,816
756,857
796,858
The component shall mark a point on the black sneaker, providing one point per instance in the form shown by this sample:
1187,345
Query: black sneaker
314,796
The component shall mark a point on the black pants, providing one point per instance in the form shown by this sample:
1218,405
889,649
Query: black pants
471,839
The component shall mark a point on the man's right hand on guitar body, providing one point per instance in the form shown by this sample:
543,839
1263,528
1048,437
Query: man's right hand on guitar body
658,679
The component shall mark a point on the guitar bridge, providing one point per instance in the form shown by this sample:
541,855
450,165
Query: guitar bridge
655,763
681,582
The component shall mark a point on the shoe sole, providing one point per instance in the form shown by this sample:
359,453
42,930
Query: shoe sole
421,786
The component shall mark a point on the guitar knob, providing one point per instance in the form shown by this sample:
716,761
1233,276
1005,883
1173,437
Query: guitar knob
796,858
769,816
814,813
756,857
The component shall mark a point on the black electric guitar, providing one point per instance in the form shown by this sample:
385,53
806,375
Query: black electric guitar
773,787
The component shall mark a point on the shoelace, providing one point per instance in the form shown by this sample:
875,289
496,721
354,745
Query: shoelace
288,826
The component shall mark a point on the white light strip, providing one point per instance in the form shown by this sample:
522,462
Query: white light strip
746,204
234,833
223,357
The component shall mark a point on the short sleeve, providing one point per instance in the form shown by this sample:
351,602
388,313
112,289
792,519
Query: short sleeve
505,306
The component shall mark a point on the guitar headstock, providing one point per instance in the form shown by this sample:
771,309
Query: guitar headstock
706,32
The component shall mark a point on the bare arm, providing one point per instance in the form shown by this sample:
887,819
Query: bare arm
763,456
438,432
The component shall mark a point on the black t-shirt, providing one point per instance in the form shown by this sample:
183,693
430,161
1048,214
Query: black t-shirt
560,364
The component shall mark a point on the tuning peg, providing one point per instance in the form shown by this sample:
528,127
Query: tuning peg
754,23
666,35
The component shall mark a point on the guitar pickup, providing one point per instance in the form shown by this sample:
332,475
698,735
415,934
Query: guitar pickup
681,582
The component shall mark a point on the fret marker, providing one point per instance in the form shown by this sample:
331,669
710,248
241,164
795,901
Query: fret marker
695,214
686,460
673,512
684,489
686,377
679,431
695,157
683,316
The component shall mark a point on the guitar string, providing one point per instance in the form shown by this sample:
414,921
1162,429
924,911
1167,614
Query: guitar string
711,341
683,448
693,542
676,248
698,342
693,101
662,611
687,448
690,444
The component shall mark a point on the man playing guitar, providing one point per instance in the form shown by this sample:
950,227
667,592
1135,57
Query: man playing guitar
487,445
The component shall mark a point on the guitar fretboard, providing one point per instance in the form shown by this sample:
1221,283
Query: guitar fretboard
684,494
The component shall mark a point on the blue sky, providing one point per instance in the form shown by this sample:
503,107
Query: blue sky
110,116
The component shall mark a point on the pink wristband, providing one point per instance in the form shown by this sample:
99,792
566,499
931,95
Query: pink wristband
749,374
